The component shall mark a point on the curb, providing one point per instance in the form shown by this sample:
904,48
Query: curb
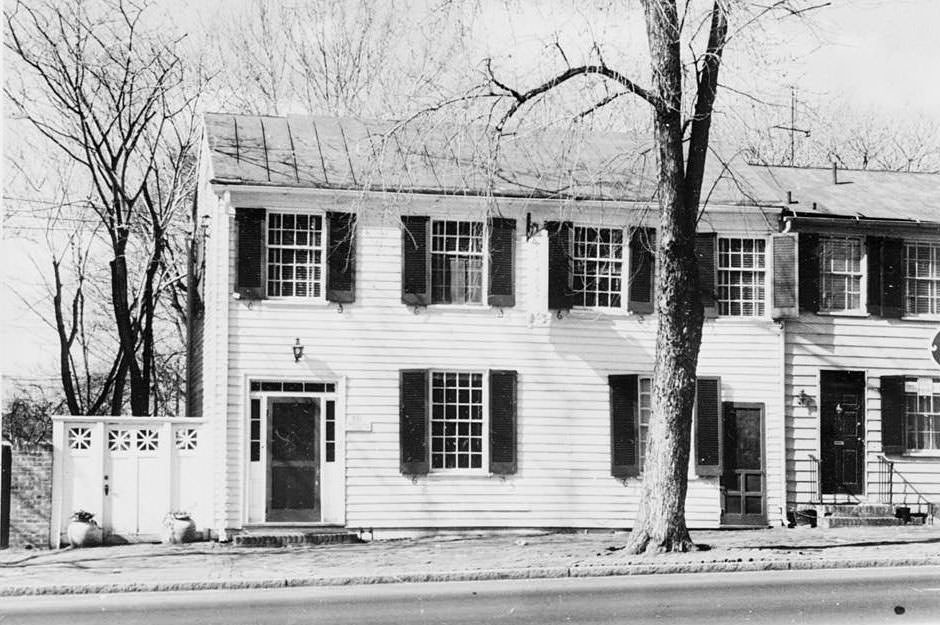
735,566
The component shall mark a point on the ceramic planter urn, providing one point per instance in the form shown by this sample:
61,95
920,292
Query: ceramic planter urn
84,534
179,530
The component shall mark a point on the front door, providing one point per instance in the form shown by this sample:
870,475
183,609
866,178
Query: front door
842,432
293,460
742,476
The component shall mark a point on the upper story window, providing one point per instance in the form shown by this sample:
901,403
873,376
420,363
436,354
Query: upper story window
741,277
295,255
457,420
597,266
457,262
922,414
841,282
922,278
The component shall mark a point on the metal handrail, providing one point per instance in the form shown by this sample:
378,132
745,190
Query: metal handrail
817,494
886,474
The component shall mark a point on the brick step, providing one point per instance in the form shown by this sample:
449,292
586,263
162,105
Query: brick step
858,521
855,510
283,538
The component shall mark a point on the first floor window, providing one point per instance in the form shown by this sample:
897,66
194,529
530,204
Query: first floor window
922,414
457,421
922,278
741,277
646,409
295,255
457,261
841,274
597,257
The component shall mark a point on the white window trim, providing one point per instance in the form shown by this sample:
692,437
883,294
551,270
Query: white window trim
862,311
904,313
324,247
484,279
485,427
768,270
625,272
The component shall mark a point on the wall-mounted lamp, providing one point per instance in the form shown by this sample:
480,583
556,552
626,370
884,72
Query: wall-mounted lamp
839,410
204,225
298,350
802,399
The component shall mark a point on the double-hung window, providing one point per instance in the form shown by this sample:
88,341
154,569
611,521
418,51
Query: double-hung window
458,420
922,414
457,262
841,274
741,277
598,261
295,255
922,278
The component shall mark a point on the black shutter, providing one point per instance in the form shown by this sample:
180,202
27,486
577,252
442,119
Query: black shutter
624,429
415,281
705,254
708,427
503,422
892,271
873,248
341,258
413,421
642,270
560,296
809,271
784,277
502,271
892,414
249,277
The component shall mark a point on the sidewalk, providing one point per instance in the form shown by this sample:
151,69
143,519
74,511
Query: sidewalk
212,565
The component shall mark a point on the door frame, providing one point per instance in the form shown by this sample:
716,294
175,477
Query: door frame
762,409
332,479
266,422
863,478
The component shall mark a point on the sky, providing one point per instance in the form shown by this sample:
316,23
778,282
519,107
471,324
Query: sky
882,56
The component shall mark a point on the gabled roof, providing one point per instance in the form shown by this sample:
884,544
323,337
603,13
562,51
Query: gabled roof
345,153
858,193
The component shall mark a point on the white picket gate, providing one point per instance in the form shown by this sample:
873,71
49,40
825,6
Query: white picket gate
130,472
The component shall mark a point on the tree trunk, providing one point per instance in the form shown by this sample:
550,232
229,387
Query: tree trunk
660,524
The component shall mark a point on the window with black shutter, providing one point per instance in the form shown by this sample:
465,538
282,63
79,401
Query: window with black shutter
415,278
642,270
341,258
250,251
705,255
785,276
502,426
502,241
560,296
708,427
624,430
809,271
892,414
413,421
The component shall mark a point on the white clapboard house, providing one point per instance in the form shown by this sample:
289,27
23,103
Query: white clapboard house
405,329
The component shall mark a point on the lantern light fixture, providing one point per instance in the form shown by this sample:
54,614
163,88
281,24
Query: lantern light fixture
298,350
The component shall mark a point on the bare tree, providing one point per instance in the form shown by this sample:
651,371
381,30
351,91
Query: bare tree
681,128
109,92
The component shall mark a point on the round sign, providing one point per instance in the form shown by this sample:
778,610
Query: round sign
935,348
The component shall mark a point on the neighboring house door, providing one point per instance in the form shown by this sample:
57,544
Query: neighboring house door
131,469
742,477
842,432
293,460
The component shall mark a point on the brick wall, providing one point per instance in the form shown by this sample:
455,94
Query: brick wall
30,496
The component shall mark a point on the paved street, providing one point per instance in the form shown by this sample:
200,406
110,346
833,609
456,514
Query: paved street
860,596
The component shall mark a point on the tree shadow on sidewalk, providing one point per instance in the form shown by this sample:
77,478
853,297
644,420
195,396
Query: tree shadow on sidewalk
873,543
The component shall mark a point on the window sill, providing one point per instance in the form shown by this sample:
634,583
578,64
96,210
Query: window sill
927,318
931,454
858,314
287,302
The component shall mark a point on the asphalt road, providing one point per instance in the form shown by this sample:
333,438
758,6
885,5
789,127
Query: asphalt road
856,596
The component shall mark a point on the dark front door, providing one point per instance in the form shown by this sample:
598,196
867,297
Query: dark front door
742,476
842,432
293,460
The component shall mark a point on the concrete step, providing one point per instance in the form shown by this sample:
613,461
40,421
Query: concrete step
858,521
275,538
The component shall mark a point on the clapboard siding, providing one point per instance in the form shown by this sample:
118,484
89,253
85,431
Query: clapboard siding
875,346
563,423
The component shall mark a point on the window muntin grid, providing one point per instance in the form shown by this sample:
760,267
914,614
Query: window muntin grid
922,414
457,262
646,409
741,277
295,255
922,278
597,256
841,269
457,420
